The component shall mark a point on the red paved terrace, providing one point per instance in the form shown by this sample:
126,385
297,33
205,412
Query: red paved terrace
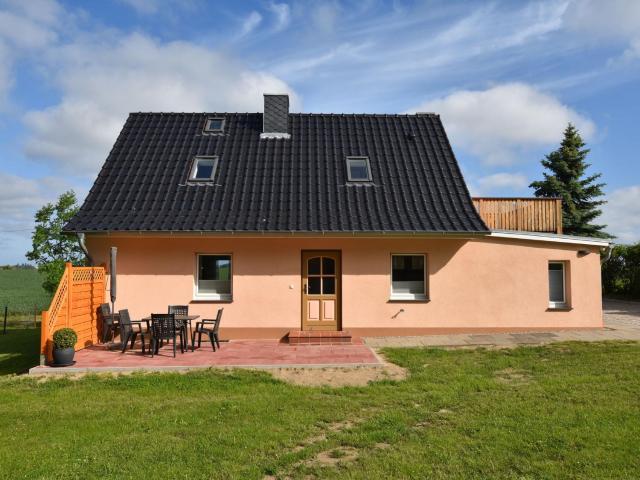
235,353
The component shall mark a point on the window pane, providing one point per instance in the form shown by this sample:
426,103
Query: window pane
215,124
214,274
358,169
328,285
204,169
407,274
313,266
328,266
556,283
314,286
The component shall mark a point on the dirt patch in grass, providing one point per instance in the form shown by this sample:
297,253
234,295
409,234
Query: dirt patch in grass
513,376
340,376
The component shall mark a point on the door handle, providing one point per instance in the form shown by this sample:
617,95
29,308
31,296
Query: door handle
304,288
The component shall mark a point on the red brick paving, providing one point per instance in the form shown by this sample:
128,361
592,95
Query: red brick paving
241,353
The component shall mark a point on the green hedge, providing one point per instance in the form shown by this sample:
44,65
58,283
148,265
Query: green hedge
621,273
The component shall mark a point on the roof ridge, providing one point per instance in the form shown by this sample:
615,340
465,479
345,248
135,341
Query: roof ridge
301,114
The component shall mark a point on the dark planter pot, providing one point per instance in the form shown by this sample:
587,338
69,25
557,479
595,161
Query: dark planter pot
63,356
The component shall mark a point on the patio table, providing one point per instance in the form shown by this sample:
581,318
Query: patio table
179,318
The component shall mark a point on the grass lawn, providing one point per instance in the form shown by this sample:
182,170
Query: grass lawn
18,349
21,290
563,411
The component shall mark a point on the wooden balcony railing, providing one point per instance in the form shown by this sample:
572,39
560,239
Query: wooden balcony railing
523,214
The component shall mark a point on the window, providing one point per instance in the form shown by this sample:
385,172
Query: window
358,169
557,285
408,279
214,277
204,168
214,125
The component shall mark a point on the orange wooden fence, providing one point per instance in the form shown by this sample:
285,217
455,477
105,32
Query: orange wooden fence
524,214
80,292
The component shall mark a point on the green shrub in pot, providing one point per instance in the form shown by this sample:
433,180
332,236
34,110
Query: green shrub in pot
64,341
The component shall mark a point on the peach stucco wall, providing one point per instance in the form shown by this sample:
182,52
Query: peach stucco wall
473,284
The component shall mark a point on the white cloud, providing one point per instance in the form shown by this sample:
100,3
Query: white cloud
250,23
101,82
496,123
24,27
621,214
282,13
502,181
325,16
613,20
20,198
24,32
144,7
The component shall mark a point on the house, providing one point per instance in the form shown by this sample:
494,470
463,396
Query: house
323,222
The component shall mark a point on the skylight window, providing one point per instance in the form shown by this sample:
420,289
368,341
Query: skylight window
358,169
214,125
204,168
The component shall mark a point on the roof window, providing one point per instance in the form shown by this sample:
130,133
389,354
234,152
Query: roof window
204,168
358,169
214,125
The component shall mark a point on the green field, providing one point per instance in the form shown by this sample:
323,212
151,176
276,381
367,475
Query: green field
561,411
21,290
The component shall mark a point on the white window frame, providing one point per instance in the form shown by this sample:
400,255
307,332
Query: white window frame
226,297
194,168
409,296
563,303
214,130
366,159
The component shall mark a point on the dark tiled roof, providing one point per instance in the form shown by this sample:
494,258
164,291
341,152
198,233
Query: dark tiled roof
275,185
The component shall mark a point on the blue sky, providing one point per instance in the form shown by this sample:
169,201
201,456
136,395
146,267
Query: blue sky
506,77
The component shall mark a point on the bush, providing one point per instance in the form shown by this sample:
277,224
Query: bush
65,338
621,273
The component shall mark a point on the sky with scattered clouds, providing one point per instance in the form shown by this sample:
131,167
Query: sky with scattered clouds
506,77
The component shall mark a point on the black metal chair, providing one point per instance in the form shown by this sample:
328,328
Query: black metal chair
179,309
184,311
210,327
109,322
163,327
129,330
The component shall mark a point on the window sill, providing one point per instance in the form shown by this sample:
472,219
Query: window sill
559,308
408,299
212,299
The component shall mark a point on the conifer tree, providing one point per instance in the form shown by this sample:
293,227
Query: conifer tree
566,178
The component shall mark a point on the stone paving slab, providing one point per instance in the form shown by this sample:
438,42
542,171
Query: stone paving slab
621,320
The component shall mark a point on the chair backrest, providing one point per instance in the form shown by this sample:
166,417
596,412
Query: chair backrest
216,327
104,309
163,325
125,322
125,319
179,309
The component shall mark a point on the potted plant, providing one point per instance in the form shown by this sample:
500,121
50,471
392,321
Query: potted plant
64,341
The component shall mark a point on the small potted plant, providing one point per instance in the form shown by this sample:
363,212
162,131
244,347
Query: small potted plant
64,341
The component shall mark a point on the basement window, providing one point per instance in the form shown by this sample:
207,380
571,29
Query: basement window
214,125
203,169
358,169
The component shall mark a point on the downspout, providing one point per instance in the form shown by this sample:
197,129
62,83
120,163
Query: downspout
608,255
81,239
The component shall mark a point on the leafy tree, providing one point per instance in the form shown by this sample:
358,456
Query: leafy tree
566,179
51,247
621,274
